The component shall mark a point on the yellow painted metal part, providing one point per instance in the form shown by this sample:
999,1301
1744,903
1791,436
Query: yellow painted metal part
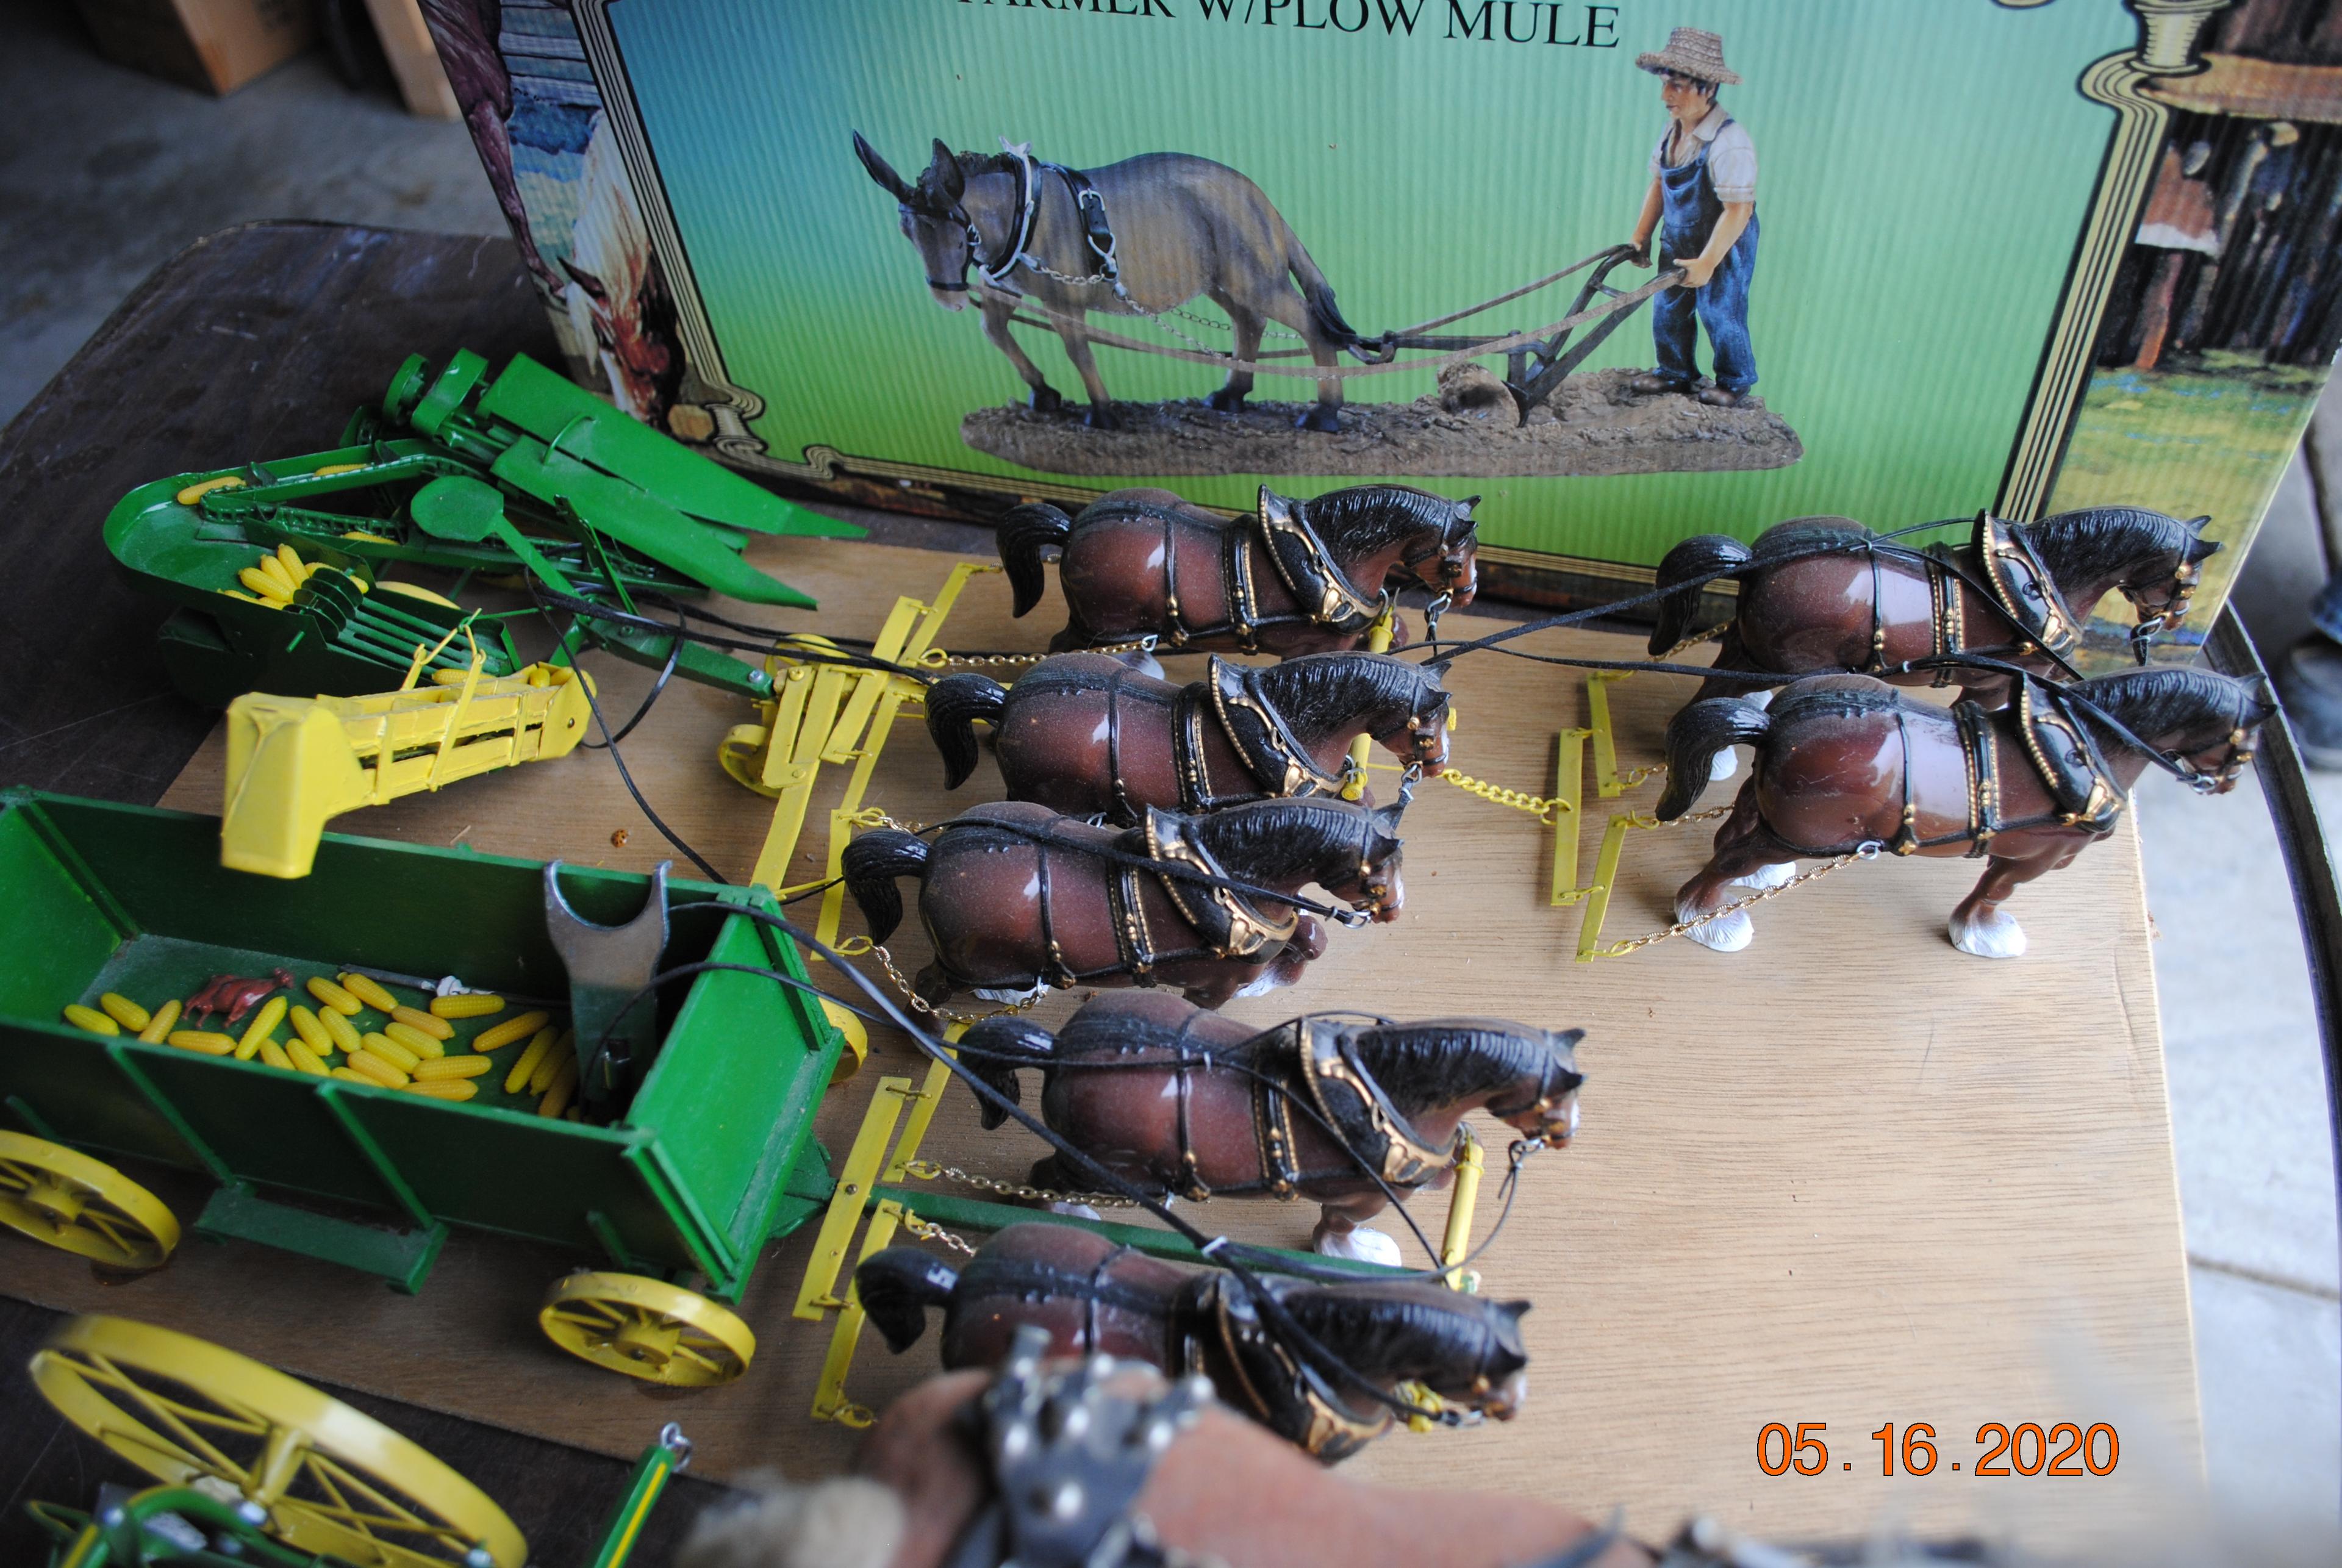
1605,878
61,1196
295,762
1570,791
1463,1207
830,1402
1606,782
816,1292
647,1329
332,1481
1378,641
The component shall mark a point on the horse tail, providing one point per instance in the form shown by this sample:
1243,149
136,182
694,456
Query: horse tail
1024,532
1693,737
954,704
1699,560
1017,1045
1315,291
871,864
898,1286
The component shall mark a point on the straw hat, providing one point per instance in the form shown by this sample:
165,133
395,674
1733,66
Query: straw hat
1691,53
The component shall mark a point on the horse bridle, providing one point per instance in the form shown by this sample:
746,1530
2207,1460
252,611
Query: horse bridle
996,275
2153,623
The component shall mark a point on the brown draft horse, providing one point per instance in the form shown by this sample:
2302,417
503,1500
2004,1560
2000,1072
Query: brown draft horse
938,1480
1292,576
1179,1100
1150,233
1097,1297
1847,762
1821,594
1016,896
1089,734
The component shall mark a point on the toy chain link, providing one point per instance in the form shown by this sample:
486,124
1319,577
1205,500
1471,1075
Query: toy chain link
927,1230
1867,850
919,1004
928,1171
937,658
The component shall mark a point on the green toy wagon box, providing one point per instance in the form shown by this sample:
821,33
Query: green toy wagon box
709,1156
945,255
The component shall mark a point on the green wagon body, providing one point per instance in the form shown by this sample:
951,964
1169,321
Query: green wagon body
703,1167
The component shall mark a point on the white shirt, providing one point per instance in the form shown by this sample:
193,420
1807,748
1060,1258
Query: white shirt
1731,156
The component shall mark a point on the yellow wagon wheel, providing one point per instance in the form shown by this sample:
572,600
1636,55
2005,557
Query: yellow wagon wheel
646,1329
68,1200
328,1480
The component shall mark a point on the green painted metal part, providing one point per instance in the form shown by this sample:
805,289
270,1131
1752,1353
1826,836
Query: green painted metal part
696,1172
976,1214
623,1526
591,500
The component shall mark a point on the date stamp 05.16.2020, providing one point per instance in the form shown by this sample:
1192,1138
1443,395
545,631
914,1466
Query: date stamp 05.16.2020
2064,1449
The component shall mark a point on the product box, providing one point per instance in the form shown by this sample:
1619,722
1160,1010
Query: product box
2028,255
212,45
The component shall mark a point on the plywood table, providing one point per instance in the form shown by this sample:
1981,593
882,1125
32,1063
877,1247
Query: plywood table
1846,1177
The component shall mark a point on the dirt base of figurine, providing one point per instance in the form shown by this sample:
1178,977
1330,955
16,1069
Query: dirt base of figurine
1592,427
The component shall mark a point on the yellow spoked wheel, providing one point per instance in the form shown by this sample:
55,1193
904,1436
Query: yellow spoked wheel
68,1200
647,1329
328,1480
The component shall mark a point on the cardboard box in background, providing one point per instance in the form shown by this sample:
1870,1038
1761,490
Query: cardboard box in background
2028,255
212,45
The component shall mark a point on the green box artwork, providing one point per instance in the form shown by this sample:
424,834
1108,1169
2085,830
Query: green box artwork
2018,254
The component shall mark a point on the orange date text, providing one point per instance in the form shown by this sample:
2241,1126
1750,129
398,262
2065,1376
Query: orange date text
2065,1448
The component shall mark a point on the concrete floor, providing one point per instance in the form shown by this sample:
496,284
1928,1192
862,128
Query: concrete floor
104,173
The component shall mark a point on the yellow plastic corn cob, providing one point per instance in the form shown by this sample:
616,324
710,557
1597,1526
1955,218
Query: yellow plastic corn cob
124,1012
353,1075
290,559
269,591
274,570
556,1093
447,1067
274,1054
564,1050
344,1032
264,1024
364,988
304,1059
467,1005
334,997
443,1088
391,1052
313,1033
414,1039
90,1019
524,1065
159,1026
498,1036
378,1069
423,1022
205,1040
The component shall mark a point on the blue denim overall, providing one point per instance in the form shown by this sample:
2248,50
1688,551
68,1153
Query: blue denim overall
1688,220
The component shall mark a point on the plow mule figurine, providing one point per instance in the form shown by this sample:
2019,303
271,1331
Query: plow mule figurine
1822,594
1094,1296
1848,764
1090,735
1292,576
1141,236
1014,896
1181,1100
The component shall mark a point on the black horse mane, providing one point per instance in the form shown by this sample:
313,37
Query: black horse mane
2162,701
1317,692
1275,838
1387,1330
1419,1066
2098,543
1365,518
1844,700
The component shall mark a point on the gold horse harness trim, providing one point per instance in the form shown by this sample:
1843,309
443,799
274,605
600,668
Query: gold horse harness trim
1329,1429
2024,590
1230,925
1280,527
1364,1120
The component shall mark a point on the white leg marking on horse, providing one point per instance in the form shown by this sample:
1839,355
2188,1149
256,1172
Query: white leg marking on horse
1730,935
1365,1243
1077,1211
1993,935
1766,878
1012,997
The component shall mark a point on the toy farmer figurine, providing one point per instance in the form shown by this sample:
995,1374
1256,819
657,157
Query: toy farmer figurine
1702,202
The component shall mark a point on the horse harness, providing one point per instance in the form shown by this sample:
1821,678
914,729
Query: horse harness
1280,766
1321,1062
1229,925
1280,530
1281,1390
2015,584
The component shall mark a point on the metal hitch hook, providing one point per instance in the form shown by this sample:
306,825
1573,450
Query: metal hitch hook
609,966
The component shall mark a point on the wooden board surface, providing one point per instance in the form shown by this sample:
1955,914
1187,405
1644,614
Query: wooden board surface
1848,1176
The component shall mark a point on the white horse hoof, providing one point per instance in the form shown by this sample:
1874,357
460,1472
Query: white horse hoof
1075,1211
1726,764
1364,1245
1012,997
1766,878
1262,986
1993,935
1730,935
